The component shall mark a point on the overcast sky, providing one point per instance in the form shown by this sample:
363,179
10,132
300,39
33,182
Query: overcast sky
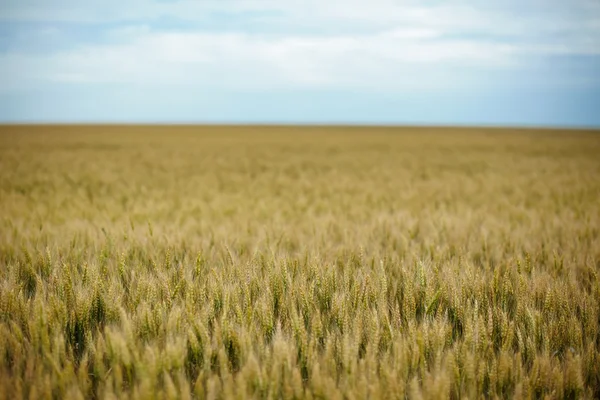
313,61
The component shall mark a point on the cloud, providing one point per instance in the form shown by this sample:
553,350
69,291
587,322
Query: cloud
391,58
338,44
505,16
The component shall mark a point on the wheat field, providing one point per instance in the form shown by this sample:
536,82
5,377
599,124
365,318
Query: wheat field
148,262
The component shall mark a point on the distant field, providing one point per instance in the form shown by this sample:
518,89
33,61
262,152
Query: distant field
286,262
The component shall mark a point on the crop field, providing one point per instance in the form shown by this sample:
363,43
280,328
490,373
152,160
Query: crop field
285,262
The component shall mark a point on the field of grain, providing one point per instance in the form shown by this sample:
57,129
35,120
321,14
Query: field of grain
285,262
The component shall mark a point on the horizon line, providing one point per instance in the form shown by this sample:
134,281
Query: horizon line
297,124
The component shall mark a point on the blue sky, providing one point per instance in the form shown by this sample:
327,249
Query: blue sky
290,61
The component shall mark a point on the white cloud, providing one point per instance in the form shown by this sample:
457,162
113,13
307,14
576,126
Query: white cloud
484,16
391,58
400,44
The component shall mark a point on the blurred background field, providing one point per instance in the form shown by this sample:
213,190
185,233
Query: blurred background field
307,262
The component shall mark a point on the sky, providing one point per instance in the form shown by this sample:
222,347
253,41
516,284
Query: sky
454,62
